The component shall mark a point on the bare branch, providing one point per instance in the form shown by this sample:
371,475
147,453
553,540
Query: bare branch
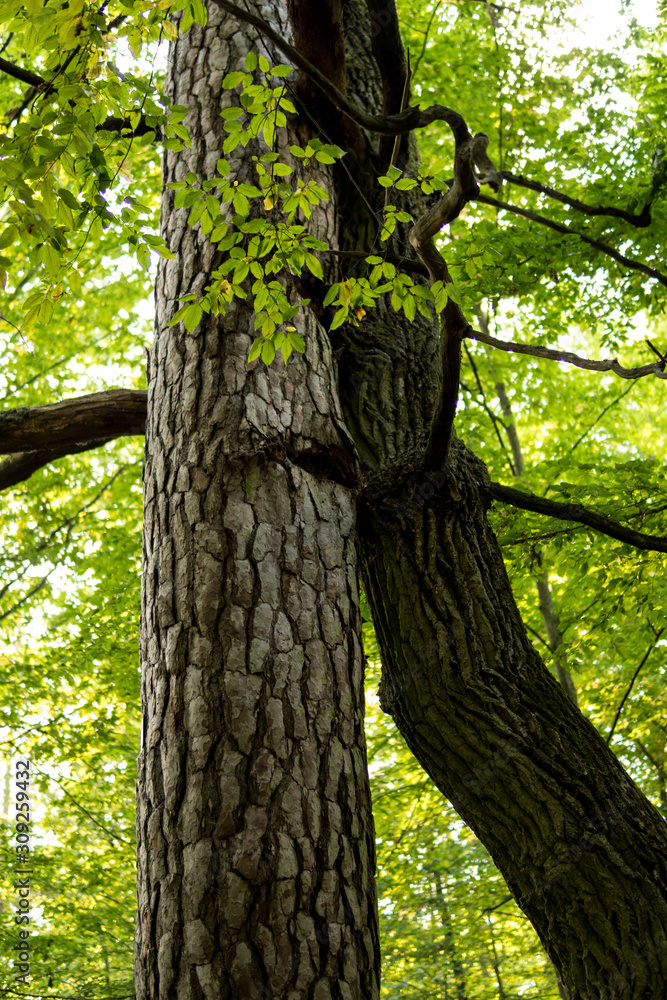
631,685
73,423
17,468
489,412
120,124
577,512
656,368
426,35
546,535
389,55
471,163
24,75
640,221
633,265
593,423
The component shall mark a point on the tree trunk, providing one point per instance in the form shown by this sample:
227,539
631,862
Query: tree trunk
256,842
255,832
581,849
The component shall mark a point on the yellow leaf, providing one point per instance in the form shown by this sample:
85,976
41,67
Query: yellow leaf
360,313
57,292
269,202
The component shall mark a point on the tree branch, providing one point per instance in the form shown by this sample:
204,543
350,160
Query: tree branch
640,221
471,163
389,55
398,124
24,75
633,265
577,512
489,412
657,368
631,685
39,83
73,424
18,467
118,124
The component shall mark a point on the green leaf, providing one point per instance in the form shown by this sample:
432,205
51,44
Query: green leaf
8,235
314,265
256,349
233,80
192,316
331,294
296,341
45,312
339,318
268,352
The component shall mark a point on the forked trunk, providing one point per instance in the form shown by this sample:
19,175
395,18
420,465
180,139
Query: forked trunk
255,831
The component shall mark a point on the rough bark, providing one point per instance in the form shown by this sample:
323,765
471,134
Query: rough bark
581,849
256,852
255,856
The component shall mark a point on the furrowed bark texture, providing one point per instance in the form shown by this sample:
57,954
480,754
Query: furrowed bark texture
582,850
255,835
256,849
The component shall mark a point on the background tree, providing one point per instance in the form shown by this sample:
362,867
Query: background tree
387,388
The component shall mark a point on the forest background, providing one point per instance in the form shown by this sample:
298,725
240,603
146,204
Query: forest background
588,121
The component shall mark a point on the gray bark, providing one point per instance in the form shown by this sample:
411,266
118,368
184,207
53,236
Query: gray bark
256,848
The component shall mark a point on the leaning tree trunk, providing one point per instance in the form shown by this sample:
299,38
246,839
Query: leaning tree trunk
581,849
583,852
256,847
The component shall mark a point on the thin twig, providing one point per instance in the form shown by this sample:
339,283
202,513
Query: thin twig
487,409
426,34
600,416
631,684
559,227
